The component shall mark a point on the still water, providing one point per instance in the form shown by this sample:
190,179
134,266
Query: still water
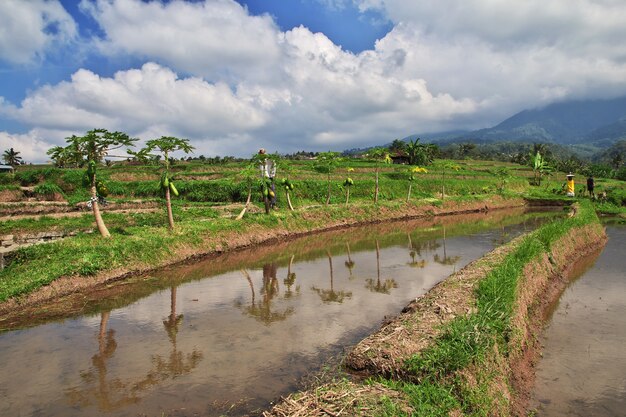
583,369
230,334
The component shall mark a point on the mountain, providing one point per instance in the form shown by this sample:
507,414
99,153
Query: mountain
599,123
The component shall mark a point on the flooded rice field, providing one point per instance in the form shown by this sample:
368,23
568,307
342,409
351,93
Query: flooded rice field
583,369
227,335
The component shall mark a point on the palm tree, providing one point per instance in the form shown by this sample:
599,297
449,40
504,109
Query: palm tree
416,152
11,157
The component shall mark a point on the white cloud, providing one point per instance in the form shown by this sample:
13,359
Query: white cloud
28,29
246,84
217,39
137,100
32,146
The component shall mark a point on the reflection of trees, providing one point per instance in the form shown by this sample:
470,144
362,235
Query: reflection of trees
378,286
504,235
108,394
111,394
445,260
177,363
290,280
330,295
349,263
262,310
414,252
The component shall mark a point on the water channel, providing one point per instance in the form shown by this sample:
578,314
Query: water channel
229,334
583,368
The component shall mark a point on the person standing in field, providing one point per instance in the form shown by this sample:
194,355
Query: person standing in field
591,186
570,185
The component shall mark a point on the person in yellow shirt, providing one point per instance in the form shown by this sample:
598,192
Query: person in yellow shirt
570,186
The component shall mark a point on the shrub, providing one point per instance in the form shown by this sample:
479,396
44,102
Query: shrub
47,189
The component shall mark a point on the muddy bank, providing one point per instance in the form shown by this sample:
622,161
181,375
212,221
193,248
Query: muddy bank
293,225
504,377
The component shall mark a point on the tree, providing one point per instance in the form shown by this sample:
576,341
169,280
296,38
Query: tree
165,145
398,146
503,175
466,149
445,166
267,164
416,152
347,184
381,156
11,157
65,156
327,162
412,173
93,147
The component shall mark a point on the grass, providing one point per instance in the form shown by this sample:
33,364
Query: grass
470,341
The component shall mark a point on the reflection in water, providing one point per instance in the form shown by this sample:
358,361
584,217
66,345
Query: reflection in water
259,334
378,286
290,280
445,259
177,363
413,252
582,371
108,394
330,295
349,263
111,394
262,311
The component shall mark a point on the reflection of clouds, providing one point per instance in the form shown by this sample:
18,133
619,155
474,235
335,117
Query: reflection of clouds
238,353
584,341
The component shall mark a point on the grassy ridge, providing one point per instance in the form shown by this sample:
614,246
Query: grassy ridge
467,341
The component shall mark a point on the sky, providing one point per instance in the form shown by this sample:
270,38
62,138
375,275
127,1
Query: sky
289,75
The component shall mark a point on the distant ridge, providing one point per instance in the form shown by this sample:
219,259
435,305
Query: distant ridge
598,123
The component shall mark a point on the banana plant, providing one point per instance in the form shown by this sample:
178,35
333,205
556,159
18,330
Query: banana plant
412,172
347,184
165,146
540,167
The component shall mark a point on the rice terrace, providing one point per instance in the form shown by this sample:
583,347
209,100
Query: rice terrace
211,300
312,208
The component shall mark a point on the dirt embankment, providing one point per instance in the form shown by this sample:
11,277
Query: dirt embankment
416,328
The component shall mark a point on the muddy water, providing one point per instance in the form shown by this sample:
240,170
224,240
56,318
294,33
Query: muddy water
583,369
230,334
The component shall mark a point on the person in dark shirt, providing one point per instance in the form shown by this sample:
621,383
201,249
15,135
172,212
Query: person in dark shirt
590,187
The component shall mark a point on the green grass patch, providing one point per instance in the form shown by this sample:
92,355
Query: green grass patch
468,340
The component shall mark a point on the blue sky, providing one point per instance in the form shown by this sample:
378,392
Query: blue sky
289,75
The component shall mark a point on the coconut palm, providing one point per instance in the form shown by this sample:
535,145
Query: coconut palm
11,157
